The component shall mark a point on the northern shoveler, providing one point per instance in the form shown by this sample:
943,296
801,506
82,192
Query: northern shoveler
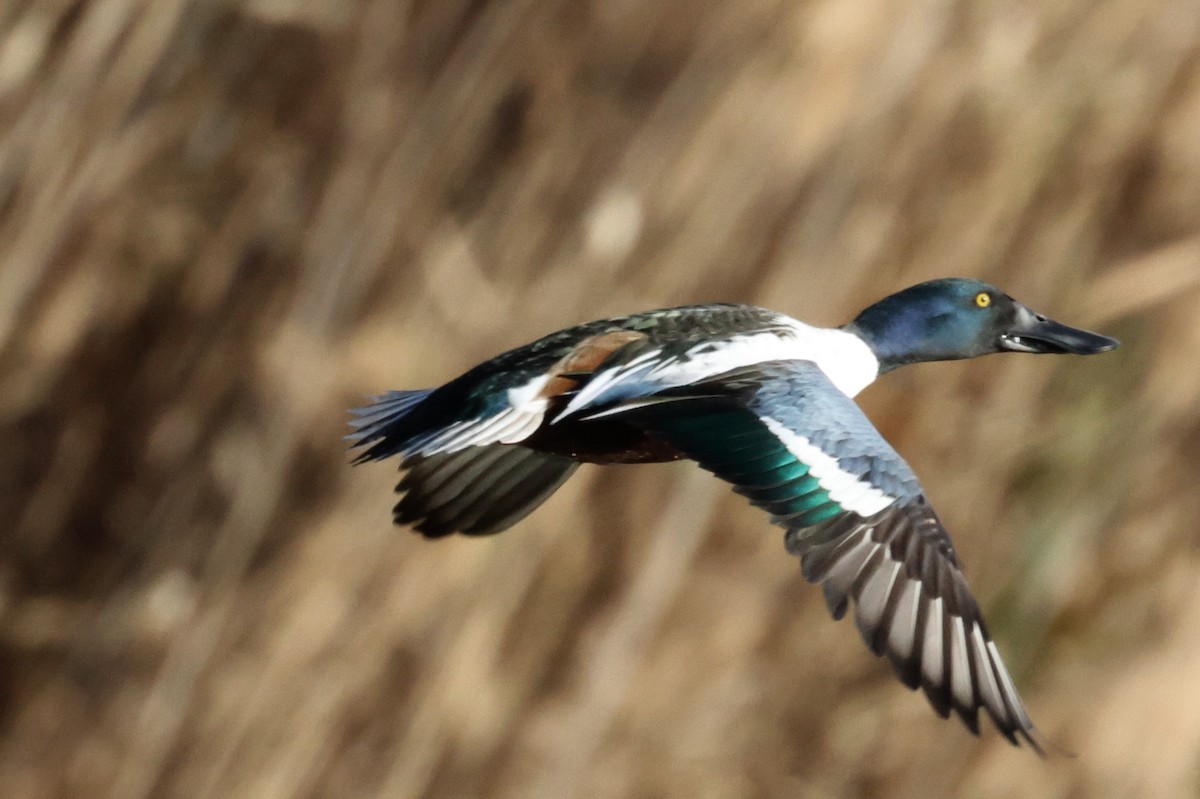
764,402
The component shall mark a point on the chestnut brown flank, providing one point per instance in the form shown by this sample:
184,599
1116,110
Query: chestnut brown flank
585,359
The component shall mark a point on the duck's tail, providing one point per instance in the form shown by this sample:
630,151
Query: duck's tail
382,423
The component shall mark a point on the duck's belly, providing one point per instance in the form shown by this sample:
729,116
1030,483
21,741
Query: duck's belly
602,441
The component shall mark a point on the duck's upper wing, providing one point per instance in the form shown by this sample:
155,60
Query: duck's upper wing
857,517
505,399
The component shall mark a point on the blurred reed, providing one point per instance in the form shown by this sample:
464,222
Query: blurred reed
222,223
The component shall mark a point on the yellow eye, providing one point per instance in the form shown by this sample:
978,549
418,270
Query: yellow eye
983,299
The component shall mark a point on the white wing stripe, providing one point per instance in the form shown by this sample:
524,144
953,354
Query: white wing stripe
507,426
987,680
503,433
872,601
481,430
904,624
526,398
429,443
510,426
531,423
932,665
960,664
1010,691
849,491
845,569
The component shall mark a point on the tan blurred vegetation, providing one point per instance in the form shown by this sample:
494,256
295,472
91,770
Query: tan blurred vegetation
222,223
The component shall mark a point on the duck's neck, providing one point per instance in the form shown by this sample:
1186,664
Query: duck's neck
888,357
846,359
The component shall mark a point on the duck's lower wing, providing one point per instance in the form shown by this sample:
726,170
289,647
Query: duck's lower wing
469,488
478,490
856,515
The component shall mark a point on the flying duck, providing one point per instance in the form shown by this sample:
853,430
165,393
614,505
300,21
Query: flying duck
764,402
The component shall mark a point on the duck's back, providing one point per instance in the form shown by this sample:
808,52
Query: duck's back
524,388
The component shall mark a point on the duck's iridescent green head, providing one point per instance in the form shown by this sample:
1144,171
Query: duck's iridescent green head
954,318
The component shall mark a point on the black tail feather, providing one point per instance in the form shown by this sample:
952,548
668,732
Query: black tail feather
380,422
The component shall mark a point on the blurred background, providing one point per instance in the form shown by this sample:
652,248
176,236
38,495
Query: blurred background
223,223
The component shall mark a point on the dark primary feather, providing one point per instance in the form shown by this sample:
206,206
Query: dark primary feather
477,490
897,566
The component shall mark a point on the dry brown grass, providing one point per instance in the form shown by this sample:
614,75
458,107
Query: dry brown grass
222,223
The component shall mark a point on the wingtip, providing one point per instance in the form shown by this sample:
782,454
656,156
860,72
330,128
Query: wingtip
970,717
1045,748
377,418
